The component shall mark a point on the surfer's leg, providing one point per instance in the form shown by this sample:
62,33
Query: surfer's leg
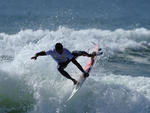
80,67
65,74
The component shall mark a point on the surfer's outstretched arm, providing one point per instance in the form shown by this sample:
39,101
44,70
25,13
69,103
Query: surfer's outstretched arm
82,53
87,54
42,53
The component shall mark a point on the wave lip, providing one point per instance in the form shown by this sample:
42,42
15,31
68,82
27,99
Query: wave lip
116,40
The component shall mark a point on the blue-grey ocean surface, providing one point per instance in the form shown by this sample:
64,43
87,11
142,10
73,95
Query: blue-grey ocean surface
120,79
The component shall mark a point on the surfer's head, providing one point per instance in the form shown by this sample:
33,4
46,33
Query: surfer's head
59,48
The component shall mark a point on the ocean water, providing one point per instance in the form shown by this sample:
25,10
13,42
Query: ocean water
119,81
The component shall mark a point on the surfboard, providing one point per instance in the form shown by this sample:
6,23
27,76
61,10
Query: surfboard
87,68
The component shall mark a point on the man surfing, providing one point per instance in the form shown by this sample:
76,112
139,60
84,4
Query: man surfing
63,57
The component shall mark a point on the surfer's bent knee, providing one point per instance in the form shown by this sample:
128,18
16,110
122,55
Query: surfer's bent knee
62,66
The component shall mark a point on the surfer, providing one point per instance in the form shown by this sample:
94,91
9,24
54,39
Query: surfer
63,57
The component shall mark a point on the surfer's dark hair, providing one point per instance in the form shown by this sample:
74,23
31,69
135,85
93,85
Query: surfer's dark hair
58,46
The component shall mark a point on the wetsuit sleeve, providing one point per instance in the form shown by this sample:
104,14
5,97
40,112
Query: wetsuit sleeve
81,53
77,53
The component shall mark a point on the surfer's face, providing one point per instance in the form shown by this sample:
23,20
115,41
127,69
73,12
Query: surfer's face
59,48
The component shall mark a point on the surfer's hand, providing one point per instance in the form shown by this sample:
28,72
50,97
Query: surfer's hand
34,57
93,54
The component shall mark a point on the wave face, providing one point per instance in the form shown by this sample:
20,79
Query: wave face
118,83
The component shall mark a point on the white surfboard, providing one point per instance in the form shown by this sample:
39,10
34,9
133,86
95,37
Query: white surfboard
77,87
87,68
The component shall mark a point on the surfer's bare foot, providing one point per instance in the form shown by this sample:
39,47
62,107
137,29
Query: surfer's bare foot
75,82
86,75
